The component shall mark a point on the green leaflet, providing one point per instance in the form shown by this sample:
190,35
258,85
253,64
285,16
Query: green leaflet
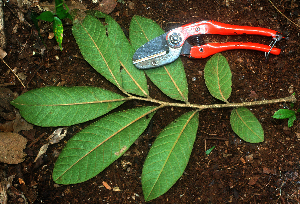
133,80
58,31
93,149
97,49
61,12
64,106
286,113
291,120
217,77
170,79
207,152
169,155
246,126
46,16
283,114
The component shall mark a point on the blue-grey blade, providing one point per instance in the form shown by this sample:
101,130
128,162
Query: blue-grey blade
151,48
155,53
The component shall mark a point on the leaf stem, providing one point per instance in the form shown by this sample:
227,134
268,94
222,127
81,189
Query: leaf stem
291,98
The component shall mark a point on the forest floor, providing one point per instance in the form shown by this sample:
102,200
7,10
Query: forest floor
234,172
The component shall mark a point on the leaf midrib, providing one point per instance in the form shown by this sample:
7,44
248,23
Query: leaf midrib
71,104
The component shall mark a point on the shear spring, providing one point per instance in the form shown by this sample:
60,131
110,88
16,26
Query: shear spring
272,44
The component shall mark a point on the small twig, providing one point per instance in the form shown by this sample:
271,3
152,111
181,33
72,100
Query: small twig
283,14
36,140
7,84
2,34
13,73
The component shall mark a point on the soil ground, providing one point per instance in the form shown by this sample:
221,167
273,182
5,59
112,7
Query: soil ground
235,171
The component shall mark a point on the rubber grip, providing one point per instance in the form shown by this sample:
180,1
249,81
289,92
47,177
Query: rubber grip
209,49
214,27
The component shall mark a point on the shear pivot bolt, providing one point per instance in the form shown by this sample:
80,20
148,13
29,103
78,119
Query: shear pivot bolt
175,39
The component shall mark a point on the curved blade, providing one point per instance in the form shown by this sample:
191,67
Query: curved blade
155,53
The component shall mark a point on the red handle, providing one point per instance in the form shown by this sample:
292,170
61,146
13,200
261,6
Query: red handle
214,27
206,50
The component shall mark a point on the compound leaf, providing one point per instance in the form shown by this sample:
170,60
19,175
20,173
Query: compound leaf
170,79
65,106
93,149
246,125
217,77
169,155
97,49
133,80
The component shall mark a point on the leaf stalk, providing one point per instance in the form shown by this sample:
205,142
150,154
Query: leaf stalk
291,98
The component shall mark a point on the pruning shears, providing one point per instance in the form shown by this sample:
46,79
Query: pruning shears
167,47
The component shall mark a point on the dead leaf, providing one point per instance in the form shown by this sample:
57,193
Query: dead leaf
106,185
291,89
54,138
73,4
226,143
253,94
42,151
3,194
57,135
227,155
22,75
21,181
131,5
116,188
2,54
286,128
51,35
253,180
4,185
16,125
107,6
21,124
249,158
11,148
268,171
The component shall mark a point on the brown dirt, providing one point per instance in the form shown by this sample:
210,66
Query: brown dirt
235,171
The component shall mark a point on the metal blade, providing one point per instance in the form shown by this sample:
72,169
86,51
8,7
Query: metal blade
155,53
